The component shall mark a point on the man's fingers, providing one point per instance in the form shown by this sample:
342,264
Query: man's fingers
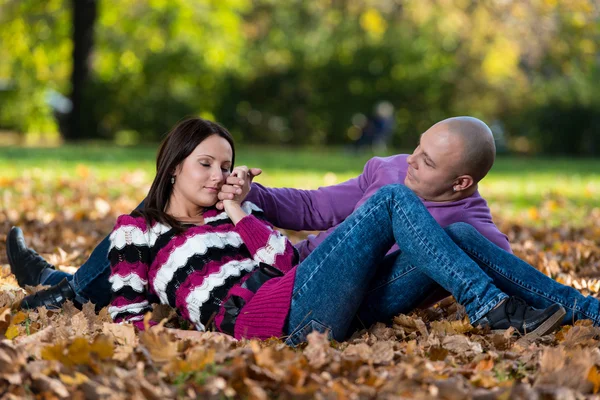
232,180
254,172
230,188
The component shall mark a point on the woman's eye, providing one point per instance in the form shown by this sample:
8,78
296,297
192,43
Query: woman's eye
225,169
205,165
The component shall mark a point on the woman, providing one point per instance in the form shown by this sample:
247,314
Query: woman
232,272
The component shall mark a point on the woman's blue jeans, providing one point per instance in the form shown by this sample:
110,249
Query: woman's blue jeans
347,275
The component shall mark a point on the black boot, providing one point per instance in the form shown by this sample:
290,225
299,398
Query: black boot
52,298
525,319
25,263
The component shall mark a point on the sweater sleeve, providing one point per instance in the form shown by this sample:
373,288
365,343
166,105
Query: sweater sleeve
266,245
129,260
318,209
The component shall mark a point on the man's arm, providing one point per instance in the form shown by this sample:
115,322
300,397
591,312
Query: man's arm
318,209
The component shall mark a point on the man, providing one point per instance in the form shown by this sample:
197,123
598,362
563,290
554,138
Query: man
444,170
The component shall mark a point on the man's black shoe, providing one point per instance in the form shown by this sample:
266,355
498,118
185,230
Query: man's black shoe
51,298
25,263
525,319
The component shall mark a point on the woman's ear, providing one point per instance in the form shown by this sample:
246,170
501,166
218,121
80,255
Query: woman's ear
177,170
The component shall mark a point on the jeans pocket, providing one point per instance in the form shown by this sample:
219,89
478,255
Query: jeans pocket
299,334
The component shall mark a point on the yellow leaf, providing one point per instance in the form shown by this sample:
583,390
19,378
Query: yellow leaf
75,380
53,352
103,347
12,332
373,23
79,351
533,213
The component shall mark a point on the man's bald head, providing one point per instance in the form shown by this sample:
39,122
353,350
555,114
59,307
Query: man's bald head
478,147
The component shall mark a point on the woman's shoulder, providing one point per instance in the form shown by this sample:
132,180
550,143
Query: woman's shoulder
131,221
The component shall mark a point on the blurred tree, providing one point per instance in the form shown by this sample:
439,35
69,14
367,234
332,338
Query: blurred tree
301,72
84,19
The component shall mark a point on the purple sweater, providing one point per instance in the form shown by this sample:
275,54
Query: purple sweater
325,208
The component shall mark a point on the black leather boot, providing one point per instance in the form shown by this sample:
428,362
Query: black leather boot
52,298
25,263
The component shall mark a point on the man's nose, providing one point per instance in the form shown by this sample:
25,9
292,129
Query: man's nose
411,160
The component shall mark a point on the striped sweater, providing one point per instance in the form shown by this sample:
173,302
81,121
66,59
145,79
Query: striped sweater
196,271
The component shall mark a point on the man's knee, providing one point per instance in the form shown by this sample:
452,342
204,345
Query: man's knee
395,190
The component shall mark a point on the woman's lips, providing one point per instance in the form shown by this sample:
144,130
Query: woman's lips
211,189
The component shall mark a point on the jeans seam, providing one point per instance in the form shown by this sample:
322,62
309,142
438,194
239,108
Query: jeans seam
387,282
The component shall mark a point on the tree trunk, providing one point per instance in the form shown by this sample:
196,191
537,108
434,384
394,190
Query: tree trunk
84,20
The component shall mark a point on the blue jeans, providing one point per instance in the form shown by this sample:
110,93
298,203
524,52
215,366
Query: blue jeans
333,281
398,280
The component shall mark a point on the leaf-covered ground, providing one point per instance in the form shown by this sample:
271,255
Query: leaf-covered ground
431,353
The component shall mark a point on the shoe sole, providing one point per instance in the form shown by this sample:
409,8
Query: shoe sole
548,326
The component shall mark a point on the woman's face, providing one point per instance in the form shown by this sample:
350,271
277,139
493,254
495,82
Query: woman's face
199,178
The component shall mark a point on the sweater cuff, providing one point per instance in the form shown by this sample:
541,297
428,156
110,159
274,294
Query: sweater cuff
254,232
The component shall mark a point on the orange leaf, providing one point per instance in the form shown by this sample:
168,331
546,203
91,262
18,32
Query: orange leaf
18,318
594,377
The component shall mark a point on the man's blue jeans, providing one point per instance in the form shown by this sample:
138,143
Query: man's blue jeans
347,276
396,286
333,281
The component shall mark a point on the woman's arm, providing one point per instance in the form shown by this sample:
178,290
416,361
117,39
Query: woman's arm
129,259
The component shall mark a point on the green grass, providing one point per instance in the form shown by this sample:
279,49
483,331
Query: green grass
548,189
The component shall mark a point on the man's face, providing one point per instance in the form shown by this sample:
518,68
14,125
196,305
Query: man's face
433,166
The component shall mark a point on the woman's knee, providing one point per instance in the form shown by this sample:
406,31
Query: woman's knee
459,231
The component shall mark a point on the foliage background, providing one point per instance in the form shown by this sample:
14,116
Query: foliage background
296,72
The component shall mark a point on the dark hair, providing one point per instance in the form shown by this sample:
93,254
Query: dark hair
175,148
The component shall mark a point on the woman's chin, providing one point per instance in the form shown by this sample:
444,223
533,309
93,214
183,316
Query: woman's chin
207,201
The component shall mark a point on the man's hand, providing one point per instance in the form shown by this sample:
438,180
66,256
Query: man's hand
237,186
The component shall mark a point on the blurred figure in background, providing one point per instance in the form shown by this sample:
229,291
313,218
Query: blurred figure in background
377,129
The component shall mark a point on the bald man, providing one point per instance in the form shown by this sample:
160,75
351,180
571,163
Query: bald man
444,170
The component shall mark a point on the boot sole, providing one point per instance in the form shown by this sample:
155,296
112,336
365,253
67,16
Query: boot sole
548,326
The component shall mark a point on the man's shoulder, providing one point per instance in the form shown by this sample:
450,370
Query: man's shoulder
397,161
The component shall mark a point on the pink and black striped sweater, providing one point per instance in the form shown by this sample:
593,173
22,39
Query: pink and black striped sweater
196,271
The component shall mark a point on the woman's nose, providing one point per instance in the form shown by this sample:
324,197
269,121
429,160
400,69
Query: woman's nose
218,176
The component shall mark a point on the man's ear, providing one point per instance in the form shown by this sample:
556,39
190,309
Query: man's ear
463,182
